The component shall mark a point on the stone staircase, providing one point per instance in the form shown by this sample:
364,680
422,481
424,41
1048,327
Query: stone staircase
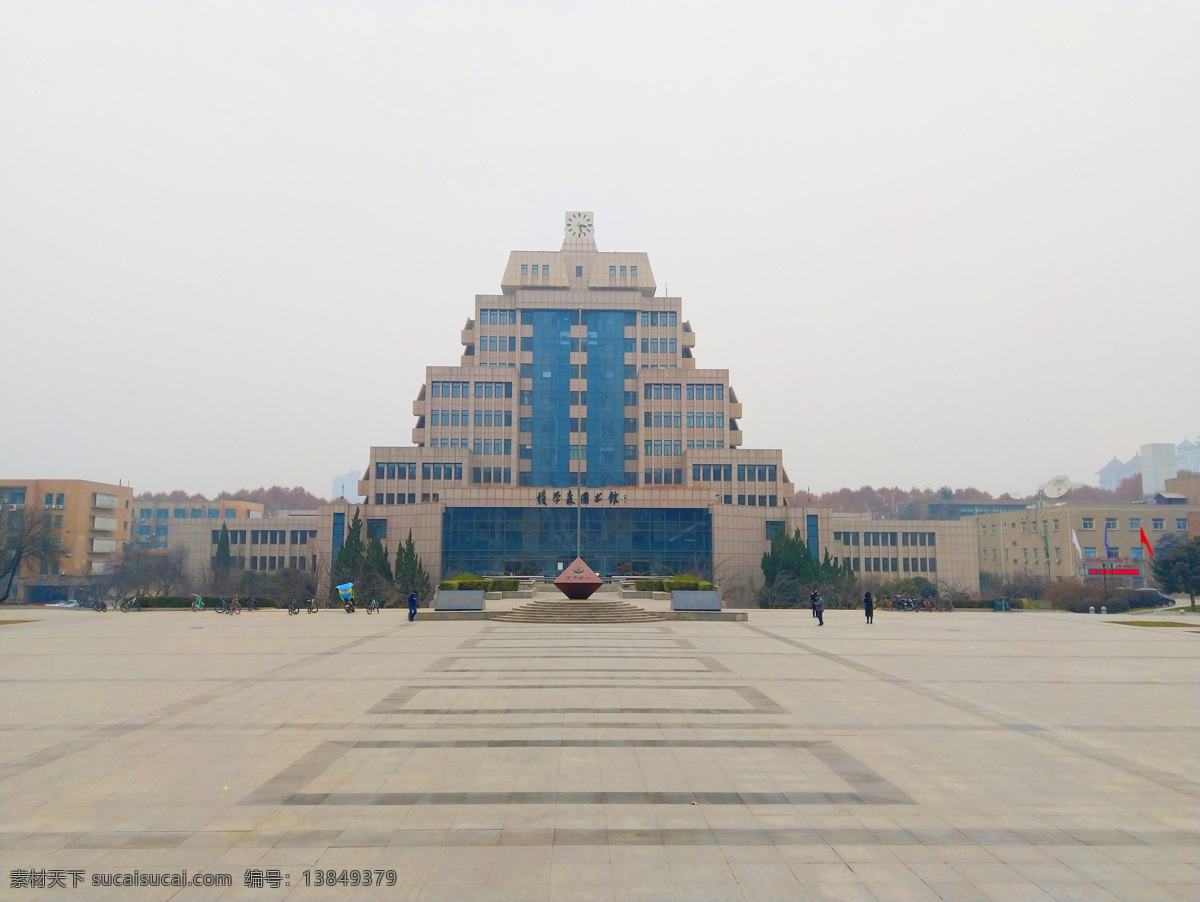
566,611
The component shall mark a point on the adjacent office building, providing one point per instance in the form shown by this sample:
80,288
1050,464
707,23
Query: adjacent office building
89,522
155,521
257,544
1089,541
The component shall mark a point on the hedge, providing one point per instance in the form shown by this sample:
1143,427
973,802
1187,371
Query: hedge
685,583
177,601
472,582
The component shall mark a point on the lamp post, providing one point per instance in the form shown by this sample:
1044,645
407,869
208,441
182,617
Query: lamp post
579,463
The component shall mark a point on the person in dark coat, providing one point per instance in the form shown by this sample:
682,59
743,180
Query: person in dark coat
819,609
412,606
869,607
812,602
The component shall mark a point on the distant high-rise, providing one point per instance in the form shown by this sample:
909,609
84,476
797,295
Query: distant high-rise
1158,465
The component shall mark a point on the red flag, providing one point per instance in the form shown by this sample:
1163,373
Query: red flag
1146,541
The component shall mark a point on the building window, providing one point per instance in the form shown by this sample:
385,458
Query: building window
1135,523
524,270
578,272
1181,523
612,270
1089,523
1157,523
1089,552
633,270
1110,522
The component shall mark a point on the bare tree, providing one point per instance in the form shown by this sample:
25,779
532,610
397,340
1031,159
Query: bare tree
26,537
168,572
134,574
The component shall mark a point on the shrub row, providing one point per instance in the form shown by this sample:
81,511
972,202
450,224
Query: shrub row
685,583
472,582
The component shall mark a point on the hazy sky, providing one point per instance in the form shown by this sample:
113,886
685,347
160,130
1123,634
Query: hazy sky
953,243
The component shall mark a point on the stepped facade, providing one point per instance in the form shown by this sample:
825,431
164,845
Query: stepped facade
578,415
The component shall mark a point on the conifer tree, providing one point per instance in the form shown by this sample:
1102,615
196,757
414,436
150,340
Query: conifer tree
348,566
410,574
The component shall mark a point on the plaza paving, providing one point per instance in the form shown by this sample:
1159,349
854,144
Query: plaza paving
953,756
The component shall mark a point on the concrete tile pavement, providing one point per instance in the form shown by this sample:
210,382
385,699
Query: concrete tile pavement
943,756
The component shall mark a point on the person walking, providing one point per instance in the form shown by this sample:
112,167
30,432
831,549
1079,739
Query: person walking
819,609
812,602
869,607
412,606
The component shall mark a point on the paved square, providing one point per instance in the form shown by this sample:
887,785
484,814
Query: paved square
954,756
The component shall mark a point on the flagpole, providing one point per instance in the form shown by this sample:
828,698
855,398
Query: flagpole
579,462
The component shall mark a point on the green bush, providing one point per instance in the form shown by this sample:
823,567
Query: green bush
648,585
686,583
470,582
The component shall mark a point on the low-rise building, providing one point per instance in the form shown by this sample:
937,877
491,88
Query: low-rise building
257,544
90,521
154,521
877,551
1186,485
1070,541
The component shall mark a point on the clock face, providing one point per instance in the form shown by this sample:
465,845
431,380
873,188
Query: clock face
579,225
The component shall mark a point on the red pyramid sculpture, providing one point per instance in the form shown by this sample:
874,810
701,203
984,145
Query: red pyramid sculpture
578,581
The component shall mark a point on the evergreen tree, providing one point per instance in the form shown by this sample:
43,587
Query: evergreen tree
1177,566
410,574
375,581
790,573
222,565
349,565
224,560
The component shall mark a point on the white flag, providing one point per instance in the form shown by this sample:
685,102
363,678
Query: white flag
1075,542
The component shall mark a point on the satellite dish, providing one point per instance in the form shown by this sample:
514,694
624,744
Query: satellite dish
1057,487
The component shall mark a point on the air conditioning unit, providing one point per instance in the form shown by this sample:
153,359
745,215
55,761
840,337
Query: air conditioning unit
17,507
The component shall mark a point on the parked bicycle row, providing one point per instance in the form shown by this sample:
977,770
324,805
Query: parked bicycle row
237,604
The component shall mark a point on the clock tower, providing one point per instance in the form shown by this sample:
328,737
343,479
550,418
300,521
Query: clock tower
579,231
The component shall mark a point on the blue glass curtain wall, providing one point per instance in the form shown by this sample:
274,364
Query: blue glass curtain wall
616,541
606,397
551,396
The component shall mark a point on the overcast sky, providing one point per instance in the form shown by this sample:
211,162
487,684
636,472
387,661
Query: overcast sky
932,244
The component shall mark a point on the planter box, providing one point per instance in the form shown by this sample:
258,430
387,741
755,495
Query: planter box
458,600
695,601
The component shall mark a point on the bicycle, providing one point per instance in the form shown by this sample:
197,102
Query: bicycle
313,607
198,604
130,604
372,606
293,607
235,606
100,606
251,604
945,605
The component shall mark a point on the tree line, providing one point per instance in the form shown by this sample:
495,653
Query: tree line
274,499
895,503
